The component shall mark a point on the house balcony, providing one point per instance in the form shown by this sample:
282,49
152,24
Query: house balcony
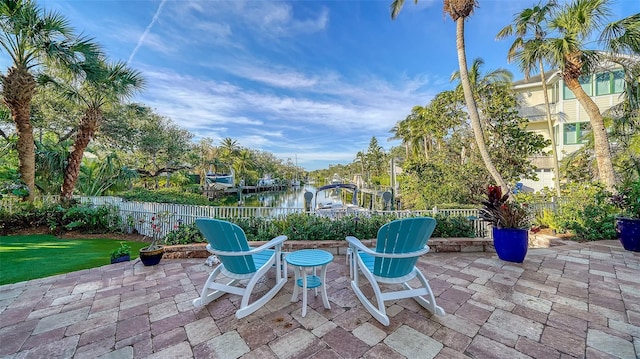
542,162
538,112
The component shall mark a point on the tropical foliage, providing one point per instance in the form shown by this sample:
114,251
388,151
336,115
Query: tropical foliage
587,213
501,212
36,41
627,199
459,11
528,51
571,30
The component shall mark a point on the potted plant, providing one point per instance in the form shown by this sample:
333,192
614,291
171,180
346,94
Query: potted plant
121,254
152,254
627,200
510,225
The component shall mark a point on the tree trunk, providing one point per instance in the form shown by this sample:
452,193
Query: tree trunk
602,148
472,108
556,166
426,147
18,88
87,128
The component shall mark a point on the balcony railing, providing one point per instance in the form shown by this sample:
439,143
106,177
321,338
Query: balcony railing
537,112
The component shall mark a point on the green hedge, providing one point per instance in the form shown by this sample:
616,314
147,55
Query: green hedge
315,228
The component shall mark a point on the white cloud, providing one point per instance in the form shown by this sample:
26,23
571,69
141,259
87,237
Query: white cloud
141,40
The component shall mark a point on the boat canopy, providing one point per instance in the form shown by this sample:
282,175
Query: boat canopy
347,186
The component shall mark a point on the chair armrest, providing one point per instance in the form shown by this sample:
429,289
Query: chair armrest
271,244
355,242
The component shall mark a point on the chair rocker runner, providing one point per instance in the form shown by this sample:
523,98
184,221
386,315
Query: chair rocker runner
239,262
399,245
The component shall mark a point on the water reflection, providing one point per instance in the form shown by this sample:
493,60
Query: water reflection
293,198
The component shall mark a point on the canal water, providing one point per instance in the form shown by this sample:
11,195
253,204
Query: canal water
292,198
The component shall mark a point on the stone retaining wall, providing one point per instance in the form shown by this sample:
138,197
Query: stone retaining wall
199,250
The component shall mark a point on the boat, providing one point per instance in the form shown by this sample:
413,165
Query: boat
220,181
336,179
328,201
266,181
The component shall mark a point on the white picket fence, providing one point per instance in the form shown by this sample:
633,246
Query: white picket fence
136,216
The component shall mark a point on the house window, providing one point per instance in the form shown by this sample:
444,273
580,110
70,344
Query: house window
603,83
575,133
585,82
618,82
610,82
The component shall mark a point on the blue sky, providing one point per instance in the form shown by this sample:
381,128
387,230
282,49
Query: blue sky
312,80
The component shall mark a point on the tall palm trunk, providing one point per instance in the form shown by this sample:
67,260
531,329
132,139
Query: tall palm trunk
556,166
472,108
18,90
426,147
602,148
86,129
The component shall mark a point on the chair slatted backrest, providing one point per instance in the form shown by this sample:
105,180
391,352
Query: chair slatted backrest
401,236
228,237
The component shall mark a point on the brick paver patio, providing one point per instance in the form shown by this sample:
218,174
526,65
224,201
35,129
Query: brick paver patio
571,301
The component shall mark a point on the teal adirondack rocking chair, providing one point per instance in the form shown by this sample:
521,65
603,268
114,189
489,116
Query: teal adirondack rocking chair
239,262
400,243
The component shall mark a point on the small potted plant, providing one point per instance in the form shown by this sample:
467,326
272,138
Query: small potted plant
152,254
510,225
627,200
121,254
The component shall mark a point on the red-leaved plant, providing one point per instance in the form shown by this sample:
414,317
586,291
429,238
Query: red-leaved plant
159,221
501,212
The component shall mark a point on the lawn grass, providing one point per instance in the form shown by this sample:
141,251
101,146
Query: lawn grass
26,257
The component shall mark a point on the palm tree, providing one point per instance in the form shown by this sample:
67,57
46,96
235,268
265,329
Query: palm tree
229,149
207,154
483,86
528,50
244,162
97,176
459,10
362,158
35,41
480,83
575,24
401,132
107,85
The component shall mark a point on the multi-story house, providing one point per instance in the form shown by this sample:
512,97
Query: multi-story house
570,120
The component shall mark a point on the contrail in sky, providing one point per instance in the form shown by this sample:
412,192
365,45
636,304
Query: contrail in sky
146,31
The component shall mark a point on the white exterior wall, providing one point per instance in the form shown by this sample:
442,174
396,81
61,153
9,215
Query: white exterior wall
562,112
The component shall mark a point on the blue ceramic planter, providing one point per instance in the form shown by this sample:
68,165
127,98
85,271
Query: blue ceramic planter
628,230
120,259
511,243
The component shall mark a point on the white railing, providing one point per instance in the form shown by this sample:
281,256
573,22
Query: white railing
481,228
136,216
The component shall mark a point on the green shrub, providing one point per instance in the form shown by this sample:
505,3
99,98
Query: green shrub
586,212
184,234
88,218
545,219
596,222
306,227
453,227
30,215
